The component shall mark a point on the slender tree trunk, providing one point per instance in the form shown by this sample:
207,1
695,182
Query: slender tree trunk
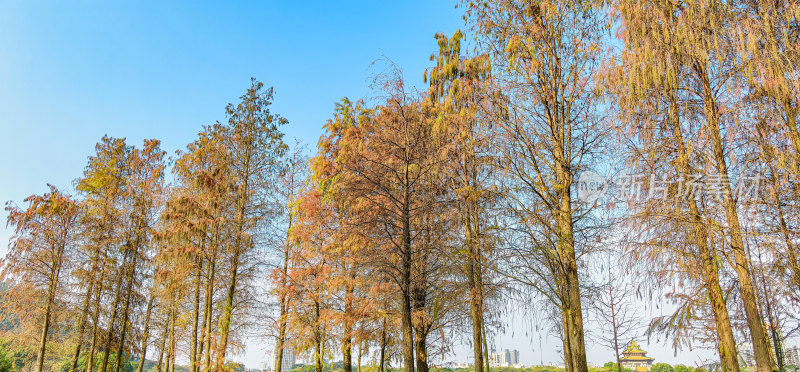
227,312
406,262
126,306
84,315
568,363
794,134
319,339
209,311
485,346
347,325
614,326
768,155
475,306
203,331
708,259
420,328
114,313
146,332
172,341
773,323
566,251
384,343
758,335
162,349
98,310
93,345
195,319
283,313
360,350
51,296
284,307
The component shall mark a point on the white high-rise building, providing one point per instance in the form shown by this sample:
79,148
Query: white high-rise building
286,363
791,356
506,358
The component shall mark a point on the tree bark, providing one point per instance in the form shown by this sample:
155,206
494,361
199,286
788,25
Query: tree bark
146,332
163,349
172,341
568,364
758,335
114,312
347,325
209,311
84,316
384,343
710,271
405,298
126,306
476,308
421,327
319,342
195,318
284,305
227,313
97,310
51,295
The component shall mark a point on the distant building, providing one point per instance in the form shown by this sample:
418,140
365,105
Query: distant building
791,356
506,358
635,358
456,365
286,363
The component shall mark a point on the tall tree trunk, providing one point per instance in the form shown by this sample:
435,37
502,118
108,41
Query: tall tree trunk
84,315
284,306
384,343
475,299
146,331
568,363
758,335
614,326
126,306
163,348
566,247
203,331
114,313
195,318
51,296
420,328
227,311
97,310
172,341
485,346
93,345
347,325
358,359
773,321
405,298
708,260
209,311
768,155
319,342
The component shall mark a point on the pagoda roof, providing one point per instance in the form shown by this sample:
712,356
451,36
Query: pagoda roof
633,348
635,358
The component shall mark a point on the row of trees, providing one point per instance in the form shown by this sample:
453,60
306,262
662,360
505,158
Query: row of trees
423,215
132,264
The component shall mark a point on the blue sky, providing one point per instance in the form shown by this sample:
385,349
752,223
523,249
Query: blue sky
71,72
